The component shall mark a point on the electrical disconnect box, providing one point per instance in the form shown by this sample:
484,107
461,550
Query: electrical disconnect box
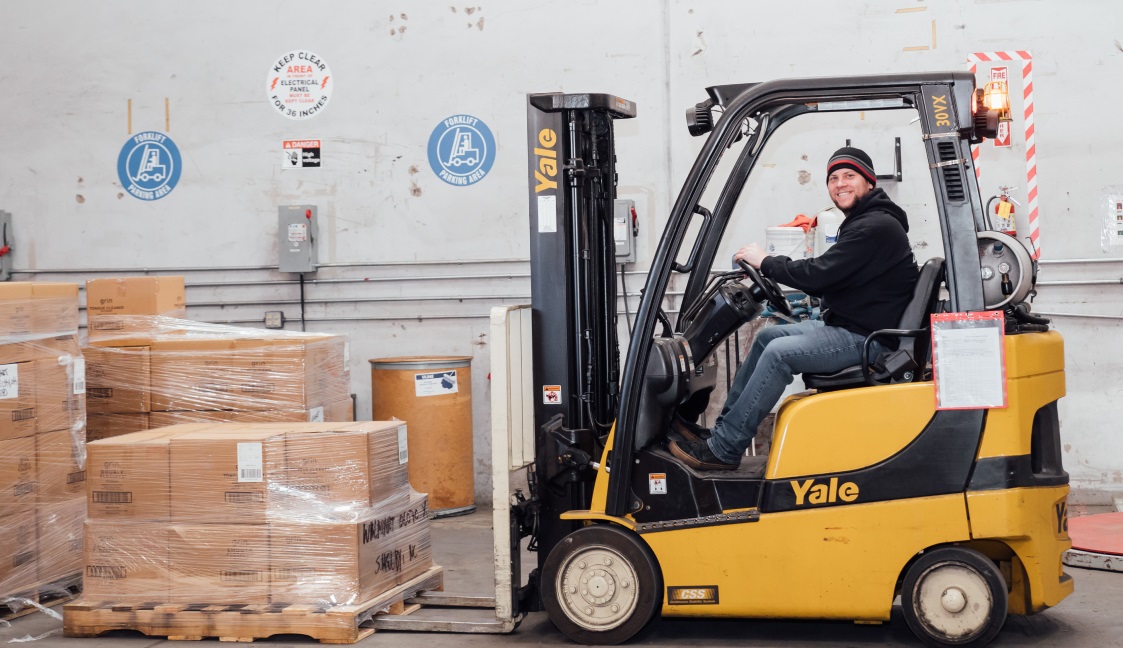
6,244
296,233
624,229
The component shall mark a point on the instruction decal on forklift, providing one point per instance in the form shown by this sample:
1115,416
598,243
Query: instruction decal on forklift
551,394
300,154
657,483
435,384
461,150
299,84
149,165
694,595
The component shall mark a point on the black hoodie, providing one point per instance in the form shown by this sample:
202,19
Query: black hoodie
867,278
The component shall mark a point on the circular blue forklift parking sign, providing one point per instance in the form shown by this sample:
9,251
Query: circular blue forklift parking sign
149,165
461,150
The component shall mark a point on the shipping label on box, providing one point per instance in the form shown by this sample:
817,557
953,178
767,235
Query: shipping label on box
17,400
19,481
125,562
219,563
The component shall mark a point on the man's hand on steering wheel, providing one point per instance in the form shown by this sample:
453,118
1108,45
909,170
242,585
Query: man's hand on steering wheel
764,289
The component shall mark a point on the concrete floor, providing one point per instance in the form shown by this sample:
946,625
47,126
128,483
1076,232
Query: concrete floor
1090,617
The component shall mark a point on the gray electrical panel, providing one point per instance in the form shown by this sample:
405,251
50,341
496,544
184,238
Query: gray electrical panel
624,230
296,238
6,245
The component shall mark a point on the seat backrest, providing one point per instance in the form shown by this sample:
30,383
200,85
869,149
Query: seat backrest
920,307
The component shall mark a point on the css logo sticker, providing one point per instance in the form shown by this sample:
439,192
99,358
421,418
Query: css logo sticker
461,150
149,165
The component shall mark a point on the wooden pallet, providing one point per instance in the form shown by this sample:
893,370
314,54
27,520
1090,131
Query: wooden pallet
340,624
56,592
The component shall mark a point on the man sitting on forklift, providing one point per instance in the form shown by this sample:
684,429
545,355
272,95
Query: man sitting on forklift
864,281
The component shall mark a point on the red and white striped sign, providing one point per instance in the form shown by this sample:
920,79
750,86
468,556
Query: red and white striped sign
1031,147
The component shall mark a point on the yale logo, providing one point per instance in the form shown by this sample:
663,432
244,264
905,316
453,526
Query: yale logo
940,108
809,492
1061,509
547,161
696,595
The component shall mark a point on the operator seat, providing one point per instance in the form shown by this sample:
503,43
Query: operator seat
915,320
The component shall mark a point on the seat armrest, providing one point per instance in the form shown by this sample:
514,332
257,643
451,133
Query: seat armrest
883,333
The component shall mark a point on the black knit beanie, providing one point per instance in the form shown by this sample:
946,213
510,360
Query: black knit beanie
849,157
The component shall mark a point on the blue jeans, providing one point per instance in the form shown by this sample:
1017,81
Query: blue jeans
777,354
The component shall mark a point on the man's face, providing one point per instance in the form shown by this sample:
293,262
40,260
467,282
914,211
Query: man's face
847,187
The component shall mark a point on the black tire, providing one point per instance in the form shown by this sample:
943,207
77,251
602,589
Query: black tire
954,596
601,585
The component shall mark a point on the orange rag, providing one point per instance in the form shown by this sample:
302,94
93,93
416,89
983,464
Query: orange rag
801,221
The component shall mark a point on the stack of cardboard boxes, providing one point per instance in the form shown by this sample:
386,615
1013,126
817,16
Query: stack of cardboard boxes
42,436
149,368
277,513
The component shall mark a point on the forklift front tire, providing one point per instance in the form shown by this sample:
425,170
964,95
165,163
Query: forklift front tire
601,585
954,596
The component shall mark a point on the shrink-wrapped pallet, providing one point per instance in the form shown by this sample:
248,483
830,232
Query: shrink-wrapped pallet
250,514
42,442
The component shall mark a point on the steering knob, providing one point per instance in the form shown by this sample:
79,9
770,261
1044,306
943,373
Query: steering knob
768,289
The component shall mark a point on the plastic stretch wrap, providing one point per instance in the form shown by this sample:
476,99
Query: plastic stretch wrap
42,442
161,371
315,513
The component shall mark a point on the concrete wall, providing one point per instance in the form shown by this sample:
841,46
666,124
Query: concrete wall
436,257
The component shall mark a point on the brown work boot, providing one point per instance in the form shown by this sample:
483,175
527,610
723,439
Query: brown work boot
699,456
692,432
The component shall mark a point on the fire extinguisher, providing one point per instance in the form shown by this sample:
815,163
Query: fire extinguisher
1003,210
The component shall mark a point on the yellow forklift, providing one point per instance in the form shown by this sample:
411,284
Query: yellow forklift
869,492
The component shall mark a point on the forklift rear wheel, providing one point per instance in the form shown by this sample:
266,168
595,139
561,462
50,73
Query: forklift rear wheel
954,597
601,585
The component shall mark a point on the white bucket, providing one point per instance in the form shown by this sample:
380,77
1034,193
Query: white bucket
791,242
826,229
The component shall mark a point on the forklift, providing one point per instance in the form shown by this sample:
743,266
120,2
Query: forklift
869,492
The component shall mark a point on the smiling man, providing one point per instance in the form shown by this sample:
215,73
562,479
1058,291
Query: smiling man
864,281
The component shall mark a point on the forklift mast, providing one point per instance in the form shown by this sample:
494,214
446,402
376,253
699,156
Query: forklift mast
572,182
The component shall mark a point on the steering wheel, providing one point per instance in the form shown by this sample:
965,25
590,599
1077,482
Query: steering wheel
765,289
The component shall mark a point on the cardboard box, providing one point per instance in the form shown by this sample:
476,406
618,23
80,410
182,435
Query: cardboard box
60,458
117,380
19,556
125,562
110,302
19,480
60,393
60,540
350,562
128,476
224,473
105,426
219,563
40,347
17,400
294,372
37,309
